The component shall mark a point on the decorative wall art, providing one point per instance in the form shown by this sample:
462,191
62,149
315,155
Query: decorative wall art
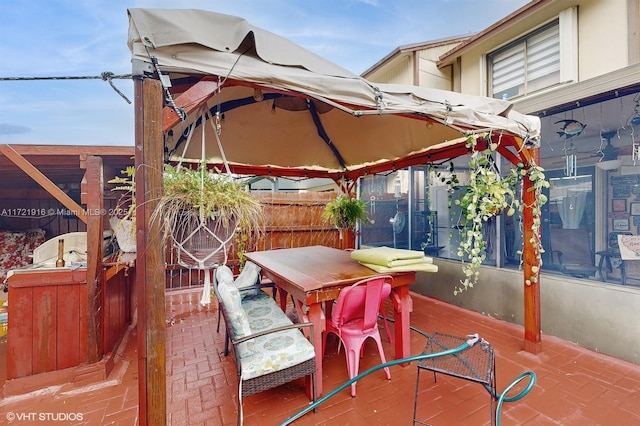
621,191
619,204
620,224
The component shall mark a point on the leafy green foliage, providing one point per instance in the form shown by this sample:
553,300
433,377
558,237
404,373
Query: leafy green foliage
343,212
192,196
487,195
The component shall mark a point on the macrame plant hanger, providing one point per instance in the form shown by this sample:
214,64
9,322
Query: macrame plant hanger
203,246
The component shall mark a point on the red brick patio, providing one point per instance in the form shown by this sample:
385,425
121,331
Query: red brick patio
574,386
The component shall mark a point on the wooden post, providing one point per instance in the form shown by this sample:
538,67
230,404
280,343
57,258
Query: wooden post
152,396
92,189
532,334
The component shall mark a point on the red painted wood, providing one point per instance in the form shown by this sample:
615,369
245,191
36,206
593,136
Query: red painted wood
116,308
48,330
68,330
19,353
45,328
532,321
192,99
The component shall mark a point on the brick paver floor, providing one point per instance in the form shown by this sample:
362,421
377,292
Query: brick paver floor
574,386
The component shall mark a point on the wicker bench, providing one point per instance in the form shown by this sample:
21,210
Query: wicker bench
269,348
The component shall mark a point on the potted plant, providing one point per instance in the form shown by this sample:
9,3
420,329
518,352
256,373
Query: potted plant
123,222
201,211
344,212
487,195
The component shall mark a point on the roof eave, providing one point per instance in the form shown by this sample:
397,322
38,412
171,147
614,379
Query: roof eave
413,47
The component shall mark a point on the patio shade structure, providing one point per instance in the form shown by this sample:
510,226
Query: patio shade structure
214,88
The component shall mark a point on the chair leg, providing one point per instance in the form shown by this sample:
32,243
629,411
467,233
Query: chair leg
353,363
386,325
382,357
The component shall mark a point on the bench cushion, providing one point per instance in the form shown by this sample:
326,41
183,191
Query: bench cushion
249,276
236,315
272,352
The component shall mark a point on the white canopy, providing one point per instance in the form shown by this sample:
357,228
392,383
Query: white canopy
275,107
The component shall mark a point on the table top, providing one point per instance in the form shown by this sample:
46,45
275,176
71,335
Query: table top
314,267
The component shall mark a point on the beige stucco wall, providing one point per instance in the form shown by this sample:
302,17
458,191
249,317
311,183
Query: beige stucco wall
598,316
602,37
603,40
397,71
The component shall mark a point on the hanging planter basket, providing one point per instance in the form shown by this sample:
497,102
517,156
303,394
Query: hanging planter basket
202,244
200,213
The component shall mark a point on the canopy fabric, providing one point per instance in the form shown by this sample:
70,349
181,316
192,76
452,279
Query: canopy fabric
277,106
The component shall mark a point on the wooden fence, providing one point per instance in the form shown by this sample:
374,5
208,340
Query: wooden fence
291,220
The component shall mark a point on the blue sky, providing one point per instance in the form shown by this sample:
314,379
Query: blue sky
61,38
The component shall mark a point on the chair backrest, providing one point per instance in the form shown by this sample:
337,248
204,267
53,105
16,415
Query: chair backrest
362,300
574,244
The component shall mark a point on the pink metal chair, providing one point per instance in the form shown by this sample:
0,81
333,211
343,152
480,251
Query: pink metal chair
354,318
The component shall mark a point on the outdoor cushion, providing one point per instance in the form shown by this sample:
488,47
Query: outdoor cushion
224,274
389,257
248,276
275,351
236,315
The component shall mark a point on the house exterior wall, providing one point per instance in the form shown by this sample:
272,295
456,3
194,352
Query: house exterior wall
397,71
591,314
429,75
401,68
603,40
604,53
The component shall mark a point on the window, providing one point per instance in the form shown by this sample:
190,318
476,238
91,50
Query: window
527,65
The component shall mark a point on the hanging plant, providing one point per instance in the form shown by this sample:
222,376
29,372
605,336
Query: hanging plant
123,223
343,212
487,195
200,210
536,176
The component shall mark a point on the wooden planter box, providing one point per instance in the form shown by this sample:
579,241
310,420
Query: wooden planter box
48,319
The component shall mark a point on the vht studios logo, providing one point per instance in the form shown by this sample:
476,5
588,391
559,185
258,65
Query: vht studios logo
43,417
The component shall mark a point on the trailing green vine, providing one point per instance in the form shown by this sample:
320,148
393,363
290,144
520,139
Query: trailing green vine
538,181
487,195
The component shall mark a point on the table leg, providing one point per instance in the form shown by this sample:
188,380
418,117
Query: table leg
316,316
283,298
602,257
402,307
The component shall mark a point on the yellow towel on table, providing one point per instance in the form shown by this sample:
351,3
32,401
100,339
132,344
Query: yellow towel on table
412,267
389,257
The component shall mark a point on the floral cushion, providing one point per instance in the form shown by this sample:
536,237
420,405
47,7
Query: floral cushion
230,297
272,352
249,276
16,249
224,274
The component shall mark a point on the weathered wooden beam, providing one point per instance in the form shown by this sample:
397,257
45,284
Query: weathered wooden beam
192,99
532,321
95,286
43,181
152,396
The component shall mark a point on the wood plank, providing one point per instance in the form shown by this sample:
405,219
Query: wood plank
43,181
19,353
192,99
45,329
68,336
152,396
95,286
